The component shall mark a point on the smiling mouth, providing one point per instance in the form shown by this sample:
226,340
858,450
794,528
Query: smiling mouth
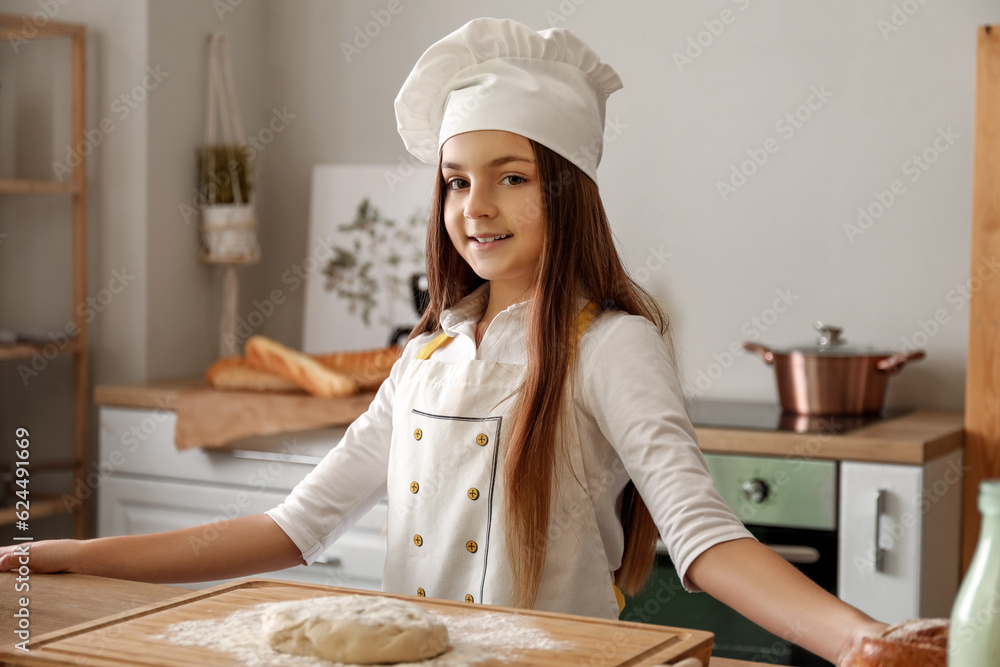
491,239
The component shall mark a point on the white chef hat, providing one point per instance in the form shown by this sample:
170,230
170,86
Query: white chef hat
498,74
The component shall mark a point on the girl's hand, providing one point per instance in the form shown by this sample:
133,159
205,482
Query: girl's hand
41,557
849,655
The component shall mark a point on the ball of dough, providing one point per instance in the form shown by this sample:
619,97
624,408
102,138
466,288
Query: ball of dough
361,629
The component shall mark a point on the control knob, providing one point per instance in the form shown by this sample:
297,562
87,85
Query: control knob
756,490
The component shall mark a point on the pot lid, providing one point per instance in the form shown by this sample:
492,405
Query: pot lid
831,343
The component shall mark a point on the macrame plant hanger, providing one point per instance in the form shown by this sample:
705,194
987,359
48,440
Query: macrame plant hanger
228,215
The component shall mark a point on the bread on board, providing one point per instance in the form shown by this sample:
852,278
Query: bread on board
301,369
368,368
237,373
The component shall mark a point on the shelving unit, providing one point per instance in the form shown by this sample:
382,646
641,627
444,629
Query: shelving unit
14,28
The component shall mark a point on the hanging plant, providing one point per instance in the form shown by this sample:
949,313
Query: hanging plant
375,266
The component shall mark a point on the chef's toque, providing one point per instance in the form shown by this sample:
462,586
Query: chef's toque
498,74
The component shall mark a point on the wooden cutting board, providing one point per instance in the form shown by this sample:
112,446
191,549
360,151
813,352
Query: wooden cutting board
129,638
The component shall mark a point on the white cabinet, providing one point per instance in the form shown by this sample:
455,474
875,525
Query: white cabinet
145,485
899,537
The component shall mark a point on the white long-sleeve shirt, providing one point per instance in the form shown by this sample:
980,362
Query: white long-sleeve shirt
630,416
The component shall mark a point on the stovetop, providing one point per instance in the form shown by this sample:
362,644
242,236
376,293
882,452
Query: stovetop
769,417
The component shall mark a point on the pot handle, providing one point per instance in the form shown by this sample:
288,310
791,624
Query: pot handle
761,351
895,362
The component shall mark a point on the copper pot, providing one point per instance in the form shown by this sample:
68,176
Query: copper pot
832,378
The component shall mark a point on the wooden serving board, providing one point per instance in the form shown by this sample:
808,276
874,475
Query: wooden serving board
130,638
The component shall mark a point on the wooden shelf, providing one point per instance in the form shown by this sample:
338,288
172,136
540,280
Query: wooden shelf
19,30
10,351
29,27
39,510
29,187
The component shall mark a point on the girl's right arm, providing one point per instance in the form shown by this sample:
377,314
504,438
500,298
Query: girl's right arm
223,550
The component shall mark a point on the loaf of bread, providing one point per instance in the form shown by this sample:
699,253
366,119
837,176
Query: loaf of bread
368,368
301,369
236,373
917,642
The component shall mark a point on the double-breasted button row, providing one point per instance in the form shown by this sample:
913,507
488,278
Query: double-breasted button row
482,439
473,492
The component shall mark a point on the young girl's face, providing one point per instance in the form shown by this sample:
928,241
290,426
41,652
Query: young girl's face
493,207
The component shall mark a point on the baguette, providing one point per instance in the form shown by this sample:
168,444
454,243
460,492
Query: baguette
368,368
301,369
236,373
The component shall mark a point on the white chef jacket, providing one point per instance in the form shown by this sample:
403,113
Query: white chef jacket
630,417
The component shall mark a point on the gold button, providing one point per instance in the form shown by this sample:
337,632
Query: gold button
471,546
414,487
468,598
420,593
418,540
473,493
482,439
418,434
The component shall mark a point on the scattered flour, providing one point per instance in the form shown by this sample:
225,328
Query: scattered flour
474,638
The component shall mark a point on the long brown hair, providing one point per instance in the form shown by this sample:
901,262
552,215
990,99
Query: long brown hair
578,258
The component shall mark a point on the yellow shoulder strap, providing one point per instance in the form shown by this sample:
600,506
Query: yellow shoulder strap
583,321
620,598
427,350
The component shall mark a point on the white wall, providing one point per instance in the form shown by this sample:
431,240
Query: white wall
680,130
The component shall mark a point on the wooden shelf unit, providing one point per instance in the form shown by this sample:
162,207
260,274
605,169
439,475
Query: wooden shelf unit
16,28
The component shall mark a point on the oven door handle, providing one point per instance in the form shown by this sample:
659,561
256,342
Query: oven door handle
796,554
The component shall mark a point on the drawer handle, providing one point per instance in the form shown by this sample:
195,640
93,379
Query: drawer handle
879,510
275,456
331,561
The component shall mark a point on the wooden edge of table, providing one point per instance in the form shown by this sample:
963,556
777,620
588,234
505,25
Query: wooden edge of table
914,438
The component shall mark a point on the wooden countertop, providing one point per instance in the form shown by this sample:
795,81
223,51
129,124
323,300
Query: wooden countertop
58,601
913,438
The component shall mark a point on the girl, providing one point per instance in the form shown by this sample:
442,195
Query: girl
532,439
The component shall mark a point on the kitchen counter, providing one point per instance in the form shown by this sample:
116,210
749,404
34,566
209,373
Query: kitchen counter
913,438
61,600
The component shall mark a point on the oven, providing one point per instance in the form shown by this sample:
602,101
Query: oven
788,503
